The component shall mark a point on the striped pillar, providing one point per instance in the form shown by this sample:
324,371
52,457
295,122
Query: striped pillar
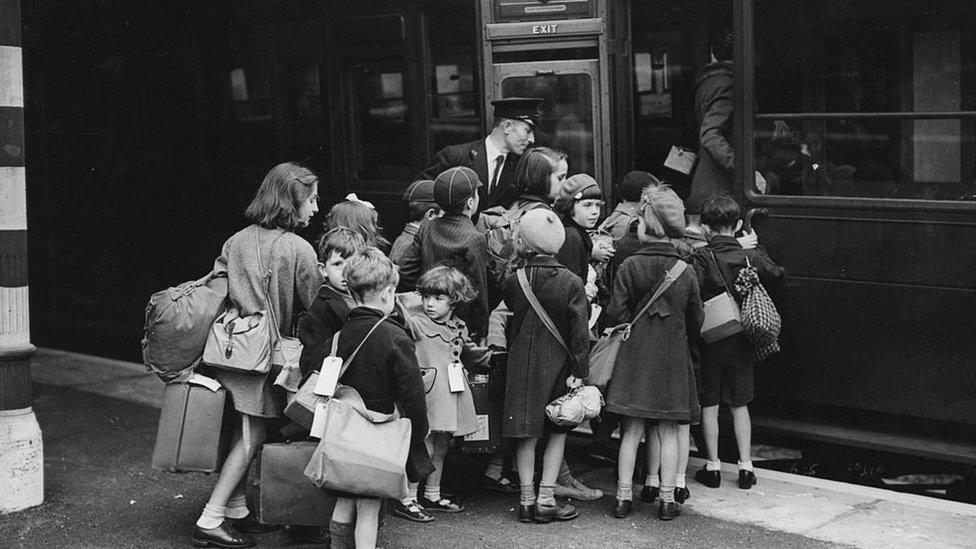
21,449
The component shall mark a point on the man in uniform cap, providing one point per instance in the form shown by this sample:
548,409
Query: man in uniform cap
494,158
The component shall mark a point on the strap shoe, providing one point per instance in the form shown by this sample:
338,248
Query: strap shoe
221,536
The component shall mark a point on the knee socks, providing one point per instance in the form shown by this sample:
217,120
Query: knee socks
342,534
212,516
236,507
526,494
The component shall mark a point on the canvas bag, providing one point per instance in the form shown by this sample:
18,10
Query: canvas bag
178,321
498,225
722,316
761,321
603,355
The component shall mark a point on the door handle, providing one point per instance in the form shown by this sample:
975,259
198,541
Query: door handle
545,73
753,212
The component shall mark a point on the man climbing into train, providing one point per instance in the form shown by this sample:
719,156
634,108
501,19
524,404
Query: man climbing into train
495,157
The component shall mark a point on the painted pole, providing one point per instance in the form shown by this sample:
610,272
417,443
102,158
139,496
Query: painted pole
21,448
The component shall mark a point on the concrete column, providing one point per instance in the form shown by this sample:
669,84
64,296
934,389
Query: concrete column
21,449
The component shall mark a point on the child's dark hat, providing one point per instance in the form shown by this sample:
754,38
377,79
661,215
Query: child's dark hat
455,185
525,109
420,191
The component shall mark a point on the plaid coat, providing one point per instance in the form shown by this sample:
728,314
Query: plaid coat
537,365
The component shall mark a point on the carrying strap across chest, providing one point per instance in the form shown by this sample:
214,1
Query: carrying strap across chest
541,313
348,361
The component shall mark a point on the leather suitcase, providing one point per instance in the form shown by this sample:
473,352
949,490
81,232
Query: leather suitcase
285,495
191,435
488,436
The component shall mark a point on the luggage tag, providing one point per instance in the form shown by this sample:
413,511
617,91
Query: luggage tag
328,376
455,377
318,421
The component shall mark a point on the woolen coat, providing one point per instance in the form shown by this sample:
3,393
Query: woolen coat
537,365
316,327
473,155
716,154
654,377
385,373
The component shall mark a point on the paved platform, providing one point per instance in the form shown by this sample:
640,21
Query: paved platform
801,508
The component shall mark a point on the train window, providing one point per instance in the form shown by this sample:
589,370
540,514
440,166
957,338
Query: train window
567,114
870,99
455,106
379,116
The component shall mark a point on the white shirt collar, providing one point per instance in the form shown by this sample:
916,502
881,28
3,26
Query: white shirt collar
491,153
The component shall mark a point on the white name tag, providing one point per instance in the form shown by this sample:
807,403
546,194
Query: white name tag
455,377
328,376
318,421
680,160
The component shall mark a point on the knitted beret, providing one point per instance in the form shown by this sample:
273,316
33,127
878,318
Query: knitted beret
542,231
576,187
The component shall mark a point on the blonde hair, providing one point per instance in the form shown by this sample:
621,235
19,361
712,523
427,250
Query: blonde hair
369,271
662,214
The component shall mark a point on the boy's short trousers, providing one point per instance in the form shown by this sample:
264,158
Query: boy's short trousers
727,372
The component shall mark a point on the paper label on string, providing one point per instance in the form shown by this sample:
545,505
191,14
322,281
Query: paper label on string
328,376
318,421
455,377
680,160
204,381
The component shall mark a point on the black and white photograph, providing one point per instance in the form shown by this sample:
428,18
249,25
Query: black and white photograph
533,274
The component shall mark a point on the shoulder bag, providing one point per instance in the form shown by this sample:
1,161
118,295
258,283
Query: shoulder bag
603,356
722,316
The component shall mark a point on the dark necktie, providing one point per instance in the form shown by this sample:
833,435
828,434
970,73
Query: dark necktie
499,161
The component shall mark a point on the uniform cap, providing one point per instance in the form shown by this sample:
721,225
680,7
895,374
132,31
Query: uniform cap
455,185
525,109
419,191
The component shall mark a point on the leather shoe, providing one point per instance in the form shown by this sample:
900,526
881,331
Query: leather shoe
526,513
221,536
681,494
668,510
747,479
250,525
575,489
549,513
649,493
622,508
712,479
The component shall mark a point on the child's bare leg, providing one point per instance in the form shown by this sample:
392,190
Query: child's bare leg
710,430
652,446
525,464
742,424
367,522
552,459
684,447
668,434
632,431
341,525
232,473
437,444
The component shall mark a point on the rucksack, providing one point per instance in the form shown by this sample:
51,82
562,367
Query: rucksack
498,224
761,321
178,320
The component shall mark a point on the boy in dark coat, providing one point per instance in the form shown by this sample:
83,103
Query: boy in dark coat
333,302
385,373
539,369
419,198
727,364
452,240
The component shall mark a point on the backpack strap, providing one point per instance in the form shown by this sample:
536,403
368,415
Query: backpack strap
669,277
540,312
348,361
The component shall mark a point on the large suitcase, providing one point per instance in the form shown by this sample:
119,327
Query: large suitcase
285,494
191,435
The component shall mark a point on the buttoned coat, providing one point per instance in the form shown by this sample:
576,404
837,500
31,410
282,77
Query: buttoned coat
473,155
537,365
654,377
716,155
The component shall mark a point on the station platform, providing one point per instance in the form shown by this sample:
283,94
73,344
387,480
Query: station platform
782,510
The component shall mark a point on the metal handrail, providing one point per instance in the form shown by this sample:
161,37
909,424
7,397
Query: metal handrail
862,115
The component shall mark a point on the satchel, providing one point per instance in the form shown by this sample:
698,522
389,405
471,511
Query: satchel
178,322
361,452
603,355
761,321
241,344
722,316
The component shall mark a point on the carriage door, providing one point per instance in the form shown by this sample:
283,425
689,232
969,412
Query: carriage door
570,114
560,51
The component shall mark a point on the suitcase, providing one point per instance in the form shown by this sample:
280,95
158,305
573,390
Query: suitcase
488,436
285,495
191,435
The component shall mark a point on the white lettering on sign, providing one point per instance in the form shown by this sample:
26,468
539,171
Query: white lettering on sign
544,29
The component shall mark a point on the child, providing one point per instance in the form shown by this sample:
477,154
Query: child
452,240
539,370
333,302
442,341
623,218
727,364
385,373
361,217
653,379
578,204
419,198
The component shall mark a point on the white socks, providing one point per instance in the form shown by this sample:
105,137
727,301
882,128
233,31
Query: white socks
745,465
433,493
713,465
236,508
411,493
212,517
625,492
653,480
679,482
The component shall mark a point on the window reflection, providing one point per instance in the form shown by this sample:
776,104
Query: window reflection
455,104
862,65
381,118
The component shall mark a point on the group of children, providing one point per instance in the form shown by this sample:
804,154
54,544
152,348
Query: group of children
433,306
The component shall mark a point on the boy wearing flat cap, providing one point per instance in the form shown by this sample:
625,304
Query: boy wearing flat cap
494,158
419,198
452,240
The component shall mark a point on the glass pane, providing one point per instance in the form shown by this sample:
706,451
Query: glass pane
455,105
567,114
381,119
859,58
251,90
